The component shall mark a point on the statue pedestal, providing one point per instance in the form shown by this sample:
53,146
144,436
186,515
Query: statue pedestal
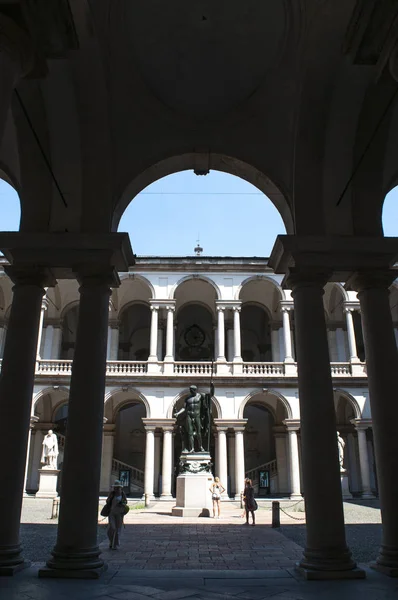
193,495
48,483
345,489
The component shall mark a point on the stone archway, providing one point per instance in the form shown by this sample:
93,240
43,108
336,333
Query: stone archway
266,443
123,448
358,453
50,412
202,164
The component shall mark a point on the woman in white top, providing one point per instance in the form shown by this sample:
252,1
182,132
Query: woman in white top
216,490
117,502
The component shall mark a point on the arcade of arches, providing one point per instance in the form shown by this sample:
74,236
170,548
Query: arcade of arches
92,112
163,333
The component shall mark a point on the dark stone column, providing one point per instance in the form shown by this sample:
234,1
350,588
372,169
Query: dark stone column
326,555
16,389
76,553
382,369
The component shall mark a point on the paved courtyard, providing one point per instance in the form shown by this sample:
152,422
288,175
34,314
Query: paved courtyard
169,558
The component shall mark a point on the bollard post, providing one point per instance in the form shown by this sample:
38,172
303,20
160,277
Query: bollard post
54,513
146,499
276,520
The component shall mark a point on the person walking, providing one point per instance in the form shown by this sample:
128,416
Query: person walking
250,502
216,490
117,506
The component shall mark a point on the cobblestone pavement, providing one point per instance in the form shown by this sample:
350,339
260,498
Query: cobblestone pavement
363,529
259,560
157,530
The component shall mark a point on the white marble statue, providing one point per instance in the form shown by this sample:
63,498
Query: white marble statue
50,451
341,446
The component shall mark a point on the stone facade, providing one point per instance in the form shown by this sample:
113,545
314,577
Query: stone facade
174,321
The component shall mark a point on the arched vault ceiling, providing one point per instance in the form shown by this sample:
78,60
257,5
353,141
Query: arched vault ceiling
293,90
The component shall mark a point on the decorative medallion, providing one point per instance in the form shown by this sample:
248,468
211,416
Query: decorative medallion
194,336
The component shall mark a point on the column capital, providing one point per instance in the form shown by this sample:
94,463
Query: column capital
159,304
362,423
65,254
276,325
45,303
351,307
54,321
109,429
114,323
92,275
286,305
361,281
221,428
33,421
292,424
230,423
306,277
165,424
17,45
222,305
26,275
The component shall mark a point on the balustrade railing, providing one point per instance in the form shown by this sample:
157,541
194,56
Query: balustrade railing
117,368
265,369
192,368
54,367
340,369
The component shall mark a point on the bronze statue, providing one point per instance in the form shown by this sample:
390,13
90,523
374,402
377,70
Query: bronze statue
197,413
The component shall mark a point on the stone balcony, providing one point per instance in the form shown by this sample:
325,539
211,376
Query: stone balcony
119,369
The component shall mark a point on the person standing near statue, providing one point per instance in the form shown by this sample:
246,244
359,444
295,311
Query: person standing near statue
197,410
50,451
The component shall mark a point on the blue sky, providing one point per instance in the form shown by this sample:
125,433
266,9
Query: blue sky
229,216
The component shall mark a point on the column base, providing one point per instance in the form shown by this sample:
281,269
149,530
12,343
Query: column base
315,575
166,497
390,571
367,495
13,569
290,368
153,366
295,496
357,369
329,564
223,368
168,365
237,366
345,490
387,561
11,560
81,564
55,573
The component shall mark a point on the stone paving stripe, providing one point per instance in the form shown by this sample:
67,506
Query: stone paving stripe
141,589
176,594
130,596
